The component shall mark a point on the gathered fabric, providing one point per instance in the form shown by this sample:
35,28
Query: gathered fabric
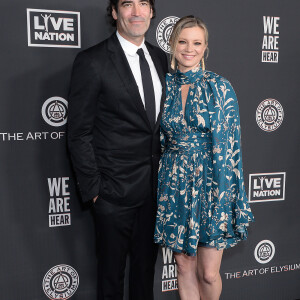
201,193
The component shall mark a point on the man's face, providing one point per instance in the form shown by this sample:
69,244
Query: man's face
133,19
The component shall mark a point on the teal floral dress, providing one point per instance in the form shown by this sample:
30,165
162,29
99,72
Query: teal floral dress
201,194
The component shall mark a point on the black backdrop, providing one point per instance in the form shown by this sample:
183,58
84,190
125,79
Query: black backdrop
47,237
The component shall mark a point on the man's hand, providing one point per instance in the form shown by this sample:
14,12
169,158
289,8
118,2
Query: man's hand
94,199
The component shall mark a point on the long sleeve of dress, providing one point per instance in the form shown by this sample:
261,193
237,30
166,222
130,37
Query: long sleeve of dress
231,213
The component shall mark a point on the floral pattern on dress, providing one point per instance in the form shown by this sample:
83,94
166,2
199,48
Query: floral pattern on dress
201,193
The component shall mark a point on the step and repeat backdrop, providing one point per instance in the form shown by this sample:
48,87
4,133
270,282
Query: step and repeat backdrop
47,236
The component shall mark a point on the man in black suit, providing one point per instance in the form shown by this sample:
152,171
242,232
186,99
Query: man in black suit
116,96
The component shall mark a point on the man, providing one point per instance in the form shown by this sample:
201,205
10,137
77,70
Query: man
115,102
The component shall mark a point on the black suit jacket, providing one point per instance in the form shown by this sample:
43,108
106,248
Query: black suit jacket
114,151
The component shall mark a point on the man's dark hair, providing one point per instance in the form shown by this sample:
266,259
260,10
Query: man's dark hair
114,4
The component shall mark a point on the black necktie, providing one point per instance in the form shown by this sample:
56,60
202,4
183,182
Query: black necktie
148,87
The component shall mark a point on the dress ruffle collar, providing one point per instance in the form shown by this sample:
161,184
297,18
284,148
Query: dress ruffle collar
189,76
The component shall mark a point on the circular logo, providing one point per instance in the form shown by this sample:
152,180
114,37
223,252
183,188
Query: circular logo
54,111
163,32
264,251
269,115
60,282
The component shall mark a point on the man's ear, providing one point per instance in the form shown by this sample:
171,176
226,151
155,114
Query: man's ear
114,13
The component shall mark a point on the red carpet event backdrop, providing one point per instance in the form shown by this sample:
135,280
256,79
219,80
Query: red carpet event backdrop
47,236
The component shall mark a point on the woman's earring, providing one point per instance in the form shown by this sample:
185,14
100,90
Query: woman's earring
203,64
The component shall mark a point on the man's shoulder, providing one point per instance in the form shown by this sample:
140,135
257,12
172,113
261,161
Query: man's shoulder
155,49
97,51
94,50
159,54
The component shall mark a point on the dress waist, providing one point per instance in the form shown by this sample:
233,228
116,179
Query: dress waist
193,141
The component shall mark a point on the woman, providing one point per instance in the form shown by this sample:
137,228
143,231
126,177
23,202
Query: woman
202,203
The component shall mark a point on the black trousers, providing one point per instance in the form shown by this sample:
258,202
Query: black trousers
122,231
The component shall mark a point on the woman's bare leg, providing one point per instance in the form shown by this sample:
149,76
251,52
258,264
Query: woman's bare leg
188,283
208,266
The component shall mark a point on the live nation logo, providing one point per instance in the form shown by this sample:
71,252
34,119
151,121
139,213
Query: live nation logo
169,273
270,49
59,210
265,187
53,28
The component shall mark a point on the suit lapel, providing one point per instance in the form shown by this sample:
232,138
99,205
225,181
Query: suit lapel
161,75
120,62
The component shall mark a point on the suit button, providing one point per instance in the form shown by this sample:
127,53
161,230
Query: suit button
152,155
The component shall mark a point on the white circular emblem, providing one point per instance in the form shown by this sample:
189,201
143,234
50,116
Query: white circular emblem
264,251
60,282
269,115
163,32
54,111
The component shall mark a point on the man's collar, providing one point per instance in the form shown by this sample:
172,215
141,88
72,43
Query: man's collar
130,48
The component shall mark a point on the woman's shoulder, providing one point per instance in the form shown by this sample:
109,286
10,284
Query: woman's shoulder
214,77
222,86
220,82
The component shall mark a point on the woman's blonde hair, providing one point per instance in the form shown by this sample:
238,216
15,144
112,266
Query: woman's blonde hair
186,22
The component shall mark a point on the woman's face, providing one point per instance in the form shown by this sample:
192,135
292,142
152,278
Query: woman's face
190,48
